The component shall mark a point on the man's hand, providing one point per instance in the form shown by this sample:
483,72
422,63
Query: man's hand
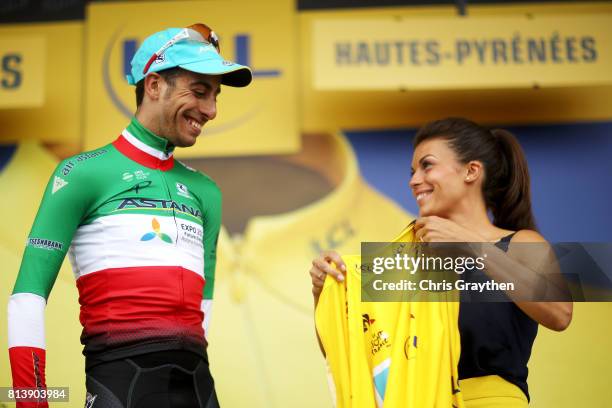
328,263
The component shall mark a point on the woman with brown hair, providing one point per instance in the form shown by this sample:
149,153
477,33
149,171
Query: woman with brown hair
472,185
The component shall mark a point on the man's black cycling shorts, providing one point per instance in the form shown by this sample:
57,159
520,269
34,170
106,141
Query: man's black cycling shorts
165,379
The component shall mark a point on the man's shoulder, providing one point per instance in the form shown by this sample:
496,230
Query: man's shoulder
81,161
197,175
79,173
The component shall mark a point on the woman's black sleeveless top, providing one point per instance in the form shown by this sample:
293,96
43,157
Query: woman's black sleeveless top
496,337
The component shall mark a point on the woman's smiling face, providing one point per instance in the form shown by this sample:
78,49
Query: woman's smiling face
438,178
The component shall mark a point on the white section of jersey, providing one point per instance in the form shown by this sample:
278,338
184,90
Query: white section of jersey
144,147
26,320
130,240
206,308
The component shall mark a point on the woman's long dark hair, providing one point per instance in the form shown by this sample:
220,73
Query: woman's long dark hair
506,187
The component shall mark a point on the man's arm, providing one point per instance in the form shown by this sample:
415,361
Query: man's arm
58,216
212,224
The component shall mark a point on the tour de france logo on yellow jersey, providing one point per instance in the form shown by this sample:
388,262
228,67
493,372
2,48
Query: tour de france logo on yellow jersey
378,339
378,342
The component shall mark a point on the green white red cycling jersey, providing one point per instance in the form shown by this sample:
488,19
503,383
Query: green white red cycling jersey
141,231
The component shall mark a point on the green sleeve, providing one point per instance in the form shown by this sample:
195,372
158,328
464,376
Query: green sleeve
212,224
62,207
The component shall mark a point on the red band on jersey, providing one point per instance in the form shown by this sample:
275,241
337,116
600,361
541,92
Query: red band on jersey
141,157
121,306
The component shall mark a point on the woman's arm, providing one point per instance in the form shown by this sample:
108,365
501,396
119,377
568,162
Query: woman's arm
534,272
531,268
553,315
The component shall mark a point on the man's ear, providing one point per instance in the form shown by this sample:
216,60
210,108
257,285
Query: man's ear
153,86
474,171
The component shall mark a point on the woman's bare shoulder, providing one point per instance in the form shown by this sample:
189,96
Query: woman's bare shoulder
528,236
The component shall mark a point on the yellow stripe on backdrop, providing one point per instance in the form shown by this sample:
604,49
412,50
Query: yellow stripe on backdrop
322,109
58,119
261,118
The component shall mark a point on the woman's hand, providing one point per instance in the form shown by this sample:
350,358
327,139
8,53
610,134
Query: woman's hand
323,266
438,229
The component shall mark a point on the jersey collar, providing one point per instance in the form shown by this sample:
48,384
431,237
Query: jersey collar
144,147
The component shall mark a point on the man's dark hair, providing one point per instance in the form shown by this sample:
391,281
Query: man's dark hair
169,76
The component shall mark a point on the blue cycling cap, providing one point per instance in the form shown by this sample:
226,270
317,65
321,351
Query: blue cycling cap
185,52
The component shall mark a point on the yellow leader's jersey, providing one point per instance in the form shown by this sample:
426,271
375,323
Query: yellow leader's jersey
388,354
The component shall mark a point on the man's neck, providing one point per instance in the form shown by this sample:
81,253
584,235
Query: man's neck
148,121
148,136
